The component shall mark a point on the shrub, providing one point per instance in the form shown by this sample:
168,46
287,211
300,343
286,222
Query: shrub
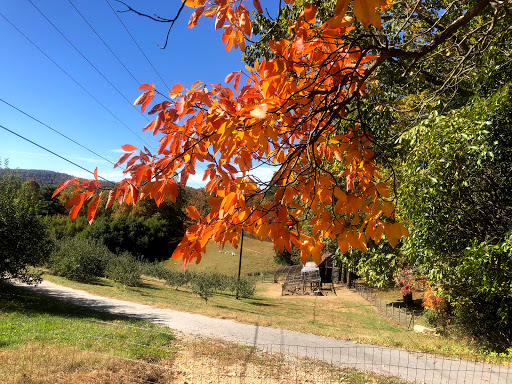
79,259
124,269
218,281
155,269
203,285
179,279
246,287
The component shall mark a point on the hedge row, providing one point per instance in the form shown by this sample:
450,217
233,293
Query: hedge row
204,284
84,260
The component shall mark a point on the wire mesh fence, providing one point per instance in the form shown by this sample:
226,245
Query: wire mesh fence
401,315
131,354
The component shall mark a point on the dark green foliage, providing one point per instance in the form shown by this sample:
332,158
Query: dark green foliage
377,266
435,319
480,289
24,239
124,269
456,181
150,238
48,206
287,258
63,227
79,259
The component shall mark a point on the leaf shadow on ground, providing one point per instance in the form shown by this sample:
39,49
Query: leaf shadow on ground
20,300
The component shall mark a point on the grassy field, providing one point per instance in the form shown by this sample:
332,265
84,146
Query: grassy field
46,341
257,256
345,316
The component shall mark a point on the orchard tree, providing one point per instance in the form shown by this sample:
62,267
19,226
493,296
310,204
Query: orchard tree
24,239
300,108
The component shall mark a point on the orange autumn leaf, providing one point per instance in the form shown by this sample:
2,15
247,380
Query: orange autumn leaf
257,5
91,209
128,148
193,213
367,13
194,3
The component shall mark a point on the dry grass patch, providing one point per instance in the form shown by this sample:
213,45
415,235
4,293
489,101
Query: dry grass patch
197,361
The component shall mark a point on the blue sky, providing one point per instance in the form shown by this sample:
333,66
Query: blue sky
32,83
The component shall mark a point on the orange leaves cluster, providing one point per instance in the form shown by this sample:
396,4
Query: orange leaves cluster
435,303
146,97
87,189
291,112
233,16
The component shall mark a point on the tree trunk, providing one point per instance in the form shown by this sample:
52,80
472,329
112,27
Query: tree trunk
408,299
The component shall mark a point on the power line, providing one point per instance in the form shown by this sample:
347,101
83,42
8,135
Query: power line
54,130
68,138
53,153
83,88
72,78
138,46
103,41
86,59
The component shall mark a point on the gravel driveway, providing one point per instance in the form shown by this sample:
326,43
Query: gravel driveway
416,367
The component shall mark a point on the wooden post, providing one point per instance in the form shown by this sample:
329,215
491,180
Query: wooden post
240,263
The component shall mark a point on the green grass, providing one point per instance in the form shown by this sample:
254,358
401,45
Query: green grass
26,317
257,257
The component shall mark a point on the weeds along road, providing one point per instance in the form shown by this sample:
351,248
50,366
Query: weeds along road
411,366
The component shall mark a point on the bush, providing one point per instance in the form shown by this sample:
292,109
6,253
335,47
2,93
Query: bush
219,282
203,285
179,279
155,269
246,286
79,259
435,319
124,269
480,320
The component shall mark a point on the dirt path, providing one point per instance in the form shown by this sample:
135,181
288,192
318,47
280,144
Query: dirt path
416,367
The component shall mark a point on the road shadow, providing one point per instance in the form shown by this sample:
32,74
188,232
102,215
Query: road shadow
22,300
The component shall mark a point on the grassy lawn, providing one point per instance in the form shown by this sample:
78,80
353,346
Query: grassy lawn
26,317
43,340
257,256
345,316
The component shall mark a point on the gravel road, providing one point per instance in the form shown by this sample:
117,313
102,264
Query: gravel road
415,367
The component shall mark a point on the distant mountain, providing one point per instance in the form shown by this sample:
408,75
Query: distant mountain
41,176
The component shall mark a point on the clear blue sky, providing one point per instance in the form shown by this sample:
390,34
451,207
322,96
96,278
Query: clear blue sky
32,83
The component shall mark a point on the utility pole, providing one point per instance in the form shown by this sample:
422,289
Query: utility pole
240,263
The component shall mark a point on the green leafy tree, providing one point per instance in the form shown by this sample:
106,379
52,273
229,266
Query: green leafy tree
24,238
455,187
